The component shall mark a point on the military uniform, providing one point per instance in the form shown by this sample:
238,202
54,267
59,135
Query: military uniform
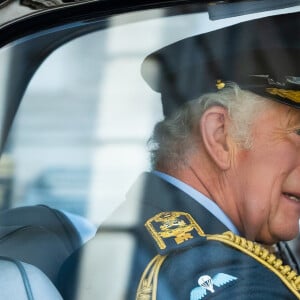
237,275
185,241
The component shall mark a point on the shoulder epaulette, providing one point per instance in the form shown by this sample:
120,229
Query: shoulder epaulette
174,231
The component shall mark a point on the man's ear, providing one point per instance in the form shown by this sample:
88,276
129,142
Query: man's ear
214,130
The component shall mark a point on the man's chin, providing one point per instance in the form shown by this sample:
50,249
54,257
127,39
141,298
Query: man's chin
269,238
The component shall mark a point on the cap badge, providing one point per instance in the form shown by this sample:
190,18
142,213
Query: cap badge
206,283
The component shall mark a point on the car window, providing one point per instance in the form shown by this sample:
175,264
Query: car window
79,137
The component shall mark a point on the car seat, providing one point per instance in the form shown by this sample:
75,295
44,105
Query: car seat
38,235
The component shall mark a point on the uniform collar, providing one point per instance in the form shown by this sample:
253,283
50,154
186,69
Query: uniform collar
210,205
153,195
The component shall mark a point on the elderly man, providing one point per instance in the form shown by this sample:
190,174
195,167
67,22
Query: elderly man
228,160
241,151
226,171
245,176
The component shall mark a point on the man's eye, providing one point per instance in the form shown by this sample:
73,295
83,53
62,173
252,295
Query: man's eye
297,131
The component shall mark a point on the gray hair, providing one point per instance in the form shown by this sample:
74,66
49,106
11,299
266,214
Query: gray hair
176,136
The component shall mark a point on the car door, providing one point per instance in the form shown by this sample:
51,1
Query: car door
80,93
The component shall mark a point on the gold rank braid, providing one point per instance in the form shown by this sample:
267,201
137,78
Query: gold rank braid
288,276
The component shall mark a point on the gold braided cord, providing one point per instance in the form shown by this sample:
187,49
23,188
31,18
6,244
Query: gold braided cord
145,285
288,276
147,288
160,261
293,95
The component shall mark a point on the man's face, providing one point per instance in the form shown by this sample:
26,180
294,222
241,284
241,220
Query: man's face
268,177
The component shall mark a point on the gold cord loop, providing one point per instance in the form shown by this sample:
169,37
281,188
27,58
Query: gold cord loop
148,284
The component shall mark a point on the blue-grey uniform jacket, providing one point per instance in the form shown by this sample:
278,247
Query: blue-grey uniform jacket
190,260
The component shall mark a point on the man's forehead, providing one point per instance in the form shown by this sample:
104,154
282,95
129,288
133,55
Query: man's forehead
287,117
